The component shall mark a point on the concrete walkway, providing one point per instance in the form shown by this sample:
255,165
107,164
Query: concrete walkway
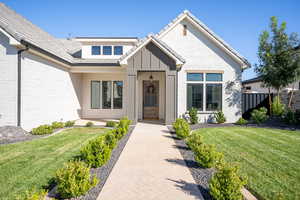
150,167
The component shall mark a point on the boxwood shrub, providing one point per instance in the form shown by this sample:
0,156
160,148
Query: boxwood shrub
89,124
207,156
194,140
74,179
56,125
193,113
33,194
226,184
241,121
42,130
69,123
96,153
182,128
110,139
259,116
111,124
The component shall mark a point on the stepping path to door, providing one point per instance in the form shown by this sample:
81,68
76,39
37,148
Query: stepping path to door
150,167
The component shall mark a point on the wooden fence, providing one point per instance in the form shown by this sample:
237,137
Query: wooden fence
251,101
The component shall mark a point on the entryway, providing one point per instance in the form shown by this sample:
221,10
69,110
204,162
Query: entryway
150,100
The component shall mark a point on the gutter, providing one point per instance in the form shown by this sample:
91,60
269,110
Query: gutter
19,85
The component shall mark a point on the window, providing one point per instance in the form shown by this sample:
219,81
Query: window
213,97
204,94
118,50
214,77
95,94
107,50
195,77
118,94
96,50
106,94
195,96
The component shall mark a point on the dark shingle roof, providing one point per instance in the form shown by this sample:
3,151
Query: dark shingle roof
252,80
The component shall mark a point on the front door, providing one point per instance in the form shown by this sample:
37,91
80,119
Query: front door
150,100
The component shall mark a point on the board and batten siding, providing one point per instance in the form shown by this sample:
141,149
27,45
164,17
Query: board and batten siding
151,58
201,54
8,82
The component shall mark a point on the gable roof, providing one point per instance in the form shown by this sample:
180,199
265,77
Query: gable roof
163,46
204,29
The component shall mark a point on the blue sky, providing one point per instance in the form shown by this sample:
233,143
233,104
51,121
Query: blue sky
238,22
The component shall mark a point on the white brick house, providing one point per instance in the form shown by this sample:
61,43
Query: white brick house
45,79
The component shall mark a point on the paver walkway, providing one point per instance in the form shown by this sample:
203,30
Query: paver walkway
150,167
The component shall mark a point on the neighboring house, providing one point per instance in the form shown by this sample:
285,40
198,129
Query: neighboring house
45,79
255,85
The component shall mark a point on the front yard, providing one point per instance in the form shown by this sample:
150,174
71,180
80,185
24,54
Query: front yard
32,164
269,157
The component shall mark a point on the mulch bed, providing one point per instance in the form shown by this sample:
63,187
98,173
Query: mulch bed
103,172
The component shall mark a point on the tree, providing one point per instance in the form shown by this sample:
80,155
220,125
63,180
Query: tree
279,58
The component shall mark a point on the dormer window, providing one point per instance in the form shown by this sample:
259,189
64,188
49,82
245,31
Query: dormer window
96,50
118,50
107,50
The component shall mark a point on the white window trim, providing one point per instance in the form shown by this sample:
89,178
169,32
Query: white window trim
204,82
101,95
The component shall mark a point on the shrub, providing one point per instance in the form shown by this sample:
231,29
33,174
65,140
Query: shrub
207,156
33,194
69,123
74,179
42,130
89,124
277,107
289,117
220,117
226,184
259,116
194,140
297,113
111,124
193,113
56,125
120,132
96,153
110,140
124,123
241,121
182,128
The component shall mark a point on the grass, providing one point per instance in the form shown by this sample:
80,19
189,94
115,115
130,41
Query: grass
269,157
33,163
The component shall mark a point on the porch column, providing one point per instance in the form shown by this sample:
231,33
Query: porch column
131,105
171,97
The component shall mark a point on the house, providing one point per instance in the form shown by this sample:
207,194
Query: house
45,79
255,85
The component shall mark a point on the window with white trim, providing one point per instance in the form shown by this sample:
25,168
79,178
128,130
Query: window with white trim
106,94
204,91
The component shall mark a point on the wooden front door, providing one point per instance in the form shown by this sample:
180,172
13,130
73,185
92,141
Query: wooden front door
150,100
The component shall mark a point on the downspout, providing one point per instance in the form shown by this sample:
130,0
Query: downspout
19,85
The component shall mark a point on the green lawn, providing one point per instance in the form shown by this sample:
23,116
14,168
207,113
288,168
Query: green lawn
269,157
32,164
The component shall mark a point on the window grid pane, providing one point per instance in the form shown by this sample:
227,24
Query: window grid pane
106,94
118,94
213,97
95,94
195,96
118,50
195,77
214,77
96,50
107,50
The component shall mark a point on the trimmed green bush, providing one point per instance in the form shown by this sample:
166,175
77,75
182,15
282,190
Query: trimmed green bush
259,116
207,156
220,117
33,194
74,179
56,125
290,117
110,140
193,113
226,184
182,128
42,130
124,123
277,107
89,124
111,124
96,153
120,132
194,140
241,121
69,123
